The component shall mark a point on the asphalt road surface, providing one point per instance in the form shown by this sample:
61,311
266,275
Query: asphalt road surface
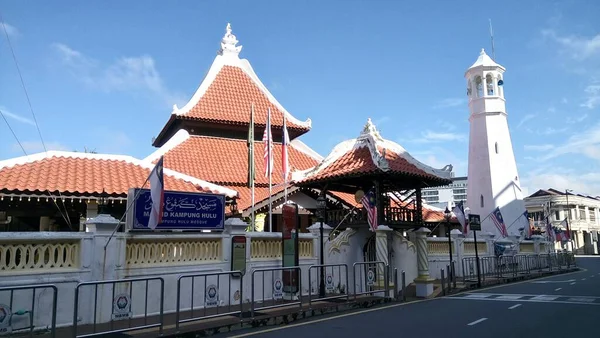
561,306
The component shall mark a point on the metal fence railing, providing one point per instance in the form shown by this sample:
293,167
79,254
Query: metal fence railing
116,315
215,291
370,278
328,284
283,282
12,310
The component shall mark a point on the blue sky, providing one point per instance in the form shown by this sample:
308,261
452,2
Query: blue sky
105,74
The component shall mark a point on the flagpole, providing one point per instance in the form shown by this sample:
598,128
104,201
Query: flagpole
251,169
284,134
270,166
511,224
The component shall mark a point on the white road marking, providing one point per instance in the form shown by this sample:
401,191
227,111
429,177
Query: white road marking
544,297
477,321
572,283
514,306
510,297
552,281
557,289
583,279
592,276
478,295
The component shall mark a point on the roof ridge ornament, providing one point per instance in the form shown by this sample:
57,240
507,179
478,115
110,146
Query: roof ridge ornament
228,43
370,129
482,51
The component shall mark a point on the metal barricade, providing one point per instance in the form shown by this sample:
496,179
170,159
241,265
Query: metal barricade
372,278
122,317
293,273
8,313
326,284
210,286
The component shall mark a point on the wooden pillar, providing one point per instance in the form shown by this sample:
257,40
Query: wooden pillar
419,215
379,202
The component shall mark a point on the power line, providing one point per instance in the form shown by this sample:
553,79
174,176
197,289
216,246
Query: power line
67,219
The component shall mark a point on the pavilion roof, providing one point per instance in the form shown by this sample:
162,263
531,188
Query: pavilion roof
85,174
371,155
227,93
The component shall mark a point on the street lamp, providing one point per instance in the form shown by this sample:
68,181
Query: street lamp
467,213
233,207
447,216
321,207
102,202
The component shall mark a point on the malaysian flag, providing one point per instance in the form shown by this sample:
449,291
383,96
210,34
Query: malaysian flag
368,202
459,212
499,222
566,226
157,194
268,140
549,231
285,163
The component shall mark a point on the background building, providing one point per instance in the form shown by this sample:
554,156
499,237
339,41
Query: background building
447,195
584,215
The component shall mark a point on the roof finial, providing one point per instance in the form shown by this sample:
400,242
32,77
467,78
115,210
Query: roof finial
482,51
229,42
371,129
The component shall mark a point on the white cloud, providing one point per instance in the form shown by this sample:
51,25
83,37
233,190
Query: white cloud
525,119
585,142
561,179
564,100
577,47
16,117
126,74
538,147
429,136
450,102
592,93
552,131
12,31
32,147
577,119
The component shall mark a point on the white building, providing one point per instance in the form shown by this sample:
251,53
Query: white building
493,181
448,195
584,215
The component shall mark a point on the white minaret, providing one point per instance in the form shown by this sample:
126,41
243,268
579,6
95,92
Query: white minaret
493,180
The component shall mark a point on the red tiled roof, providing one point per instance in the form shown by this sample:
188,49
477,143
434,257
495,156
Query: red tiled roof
228,100
89,174
224,161
368,154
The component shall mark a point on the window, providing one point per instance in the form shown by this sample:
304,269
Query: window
489,85
479,85
582,214
496,147
481,201
557,215
459,191
430,193
593,215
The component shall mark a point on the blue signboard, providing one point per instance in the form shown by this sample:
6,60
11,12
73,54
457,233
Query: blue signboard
181,211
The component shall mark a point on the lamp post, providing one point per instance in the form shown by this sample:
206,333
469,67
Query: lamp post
467,212
321,207
567,191
102,202
447,215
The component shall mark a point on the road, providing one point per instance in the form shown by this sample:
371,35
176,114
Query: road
558,306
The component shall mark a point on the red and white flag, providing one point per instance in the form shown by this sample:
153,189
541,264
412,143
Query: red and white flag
268,140
157,194
285,162
368,202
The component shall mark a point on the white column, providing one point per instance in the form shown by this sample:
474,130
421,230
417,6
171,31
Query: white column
108,259
423,282
381,247
315,229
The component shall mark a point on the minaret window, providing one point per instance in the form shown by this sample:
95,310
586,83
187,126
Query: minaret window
496,147
489,85
500,84
479,85
481,201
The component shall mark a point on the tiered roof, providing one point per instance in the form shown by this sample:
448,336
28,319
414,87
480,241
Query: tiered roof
370,154
226,94
84,174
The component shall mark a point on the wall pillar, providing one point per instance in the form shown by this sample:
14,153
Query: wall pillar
315,229
423,282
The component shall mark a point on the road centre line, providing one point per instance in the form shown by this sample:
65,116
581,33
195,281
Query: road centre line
477,321
514,306
557,289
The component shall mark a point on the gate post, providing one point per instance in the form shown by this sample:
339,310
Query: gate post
381,247
423,282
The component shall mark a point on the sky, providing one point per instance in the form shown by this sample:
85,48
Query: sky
104,75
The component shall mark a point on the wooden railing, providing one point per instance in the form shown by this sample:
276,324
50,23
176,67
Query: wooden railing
391,216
